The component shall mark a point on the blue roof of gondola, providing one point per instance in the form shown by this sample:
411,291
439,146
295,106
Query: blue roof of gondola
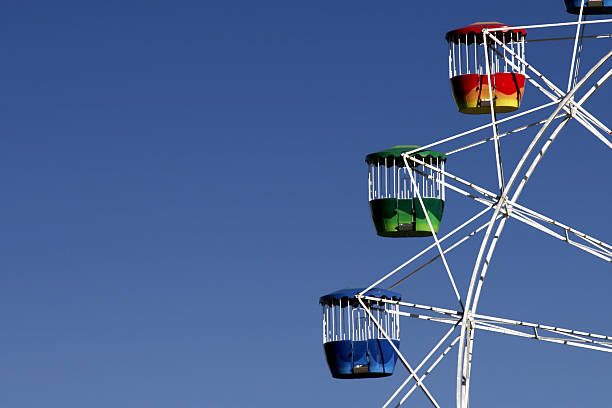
342,294
590,7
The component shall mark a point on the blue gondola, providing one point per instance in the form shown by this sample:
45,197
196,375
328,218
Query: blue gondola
590,6
354,346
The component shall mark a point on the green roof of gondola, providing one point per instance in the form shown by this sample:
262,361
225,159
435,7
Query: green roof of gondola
396,151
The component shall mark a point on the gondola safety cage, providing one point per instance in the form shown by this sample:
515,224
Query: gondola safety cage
355,346
467,66
393,195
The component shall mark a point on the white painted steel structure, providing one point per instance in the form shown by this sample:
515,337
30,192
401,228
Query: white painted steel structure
500,206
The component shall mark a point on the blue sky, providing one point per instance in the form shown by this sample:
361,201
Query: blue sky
182,181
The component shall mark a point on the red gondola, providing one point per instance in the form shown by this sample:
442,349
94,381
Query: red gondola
468,72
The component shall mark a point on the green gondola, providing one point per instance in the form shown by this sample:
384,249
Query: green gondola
394,203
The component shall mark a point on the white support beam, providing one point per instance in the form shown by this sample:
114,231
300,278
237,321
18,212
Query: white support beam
531,27
573,63
433,232
498,158
510,132
429,370
482,127
421,364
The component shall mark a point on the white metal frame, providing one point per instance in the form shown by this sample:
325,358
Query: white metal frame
501,206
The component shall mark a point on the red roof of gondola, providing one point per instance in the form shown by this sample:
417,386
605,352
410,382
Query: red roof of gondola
476,28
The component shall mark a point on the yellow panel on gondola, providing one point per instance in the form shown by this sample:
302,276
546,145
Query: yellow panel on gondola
471,92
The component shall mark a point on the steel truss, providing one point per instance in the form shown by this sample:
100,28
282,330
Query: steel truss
454,318
501,206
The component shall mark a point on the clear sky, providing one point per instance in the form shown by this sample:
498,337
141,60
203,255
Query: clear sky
182,180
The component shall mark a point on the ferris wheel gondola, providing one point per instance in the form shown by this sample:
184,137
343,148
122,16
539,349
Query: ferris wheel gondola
394,199
469,54
354,346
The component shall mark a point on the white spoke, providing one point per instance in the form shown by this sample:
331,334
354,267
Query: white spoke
423,362
435,236
430,369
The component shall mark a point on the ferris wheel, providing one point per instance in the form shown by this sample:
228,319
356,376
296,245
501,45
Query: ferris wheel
407,187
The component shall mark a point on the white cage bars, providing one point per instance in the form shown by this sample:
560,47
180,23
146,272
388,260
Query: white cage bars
466,53
347,320
388,178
